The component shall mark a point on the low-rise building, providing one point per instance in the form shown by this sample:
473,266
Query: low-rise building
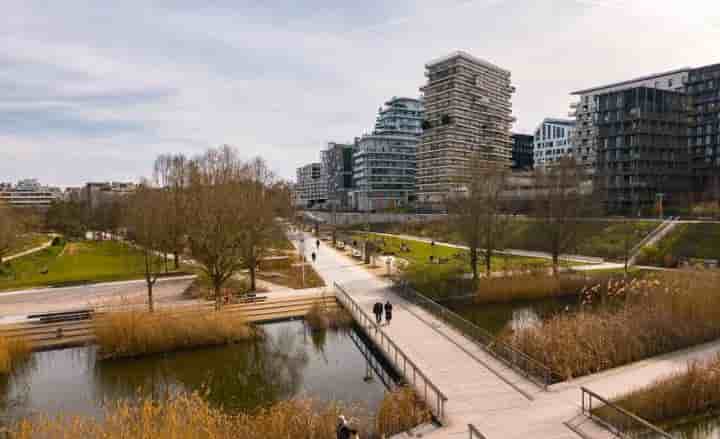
28,193
552,141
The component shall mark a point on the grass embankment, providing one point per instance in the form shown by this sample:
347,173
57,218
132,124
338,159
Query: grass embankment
74,263
685,241
189,416
13,352
642,318
322,317
137,333
604,239
532,287
29,241
688,394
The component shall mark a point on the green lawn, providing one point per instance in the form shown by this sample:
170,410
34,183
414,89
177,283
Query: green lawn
28,241
604,239
686,241
74,262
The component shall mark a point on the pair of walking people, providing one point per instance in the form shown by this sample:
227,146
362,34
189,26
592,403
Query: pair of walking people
379,309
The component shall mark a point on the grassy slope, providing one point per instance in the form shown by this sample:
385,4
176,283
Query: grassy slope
693,241
28,241
596,238
85,261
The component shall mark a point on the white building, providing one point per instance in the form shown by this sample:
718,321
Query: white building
552,141
311,186
28,193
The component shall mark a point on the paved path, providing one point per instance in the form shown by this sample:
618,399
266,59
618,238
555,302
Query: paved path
29,251
480,390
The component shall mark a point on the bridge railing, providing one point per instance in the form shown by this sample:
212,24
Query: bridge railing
433,397
517,360
474,433
620,422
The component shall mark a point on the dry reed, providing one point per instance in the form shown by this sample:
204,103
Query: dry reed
322,316
690,393
641,318
400,411
530,287
13,352
136,333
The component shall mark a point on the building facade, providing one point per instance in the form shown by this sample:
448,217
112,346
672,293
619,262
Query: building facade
642,155
310,186
337,170
584,109
553,141
468,111
522,151
703,90
385,161
28,193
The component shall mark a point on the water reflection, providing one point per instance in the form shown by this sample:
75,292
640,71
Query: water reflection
289,361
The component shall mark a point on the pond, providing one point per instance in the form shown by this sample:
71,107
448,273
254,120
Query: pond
290,361
497,317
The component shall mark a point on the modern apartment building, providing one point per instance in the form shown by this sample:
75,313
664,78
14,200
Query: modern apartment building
96,194
385,161
337,171
28,193
642,154
703,90
522,151
585,136
553,141
468,111
310,187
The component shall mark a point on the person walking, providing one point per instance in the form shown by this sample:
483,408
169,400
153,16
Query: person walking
378,311
388,312
317,244
313,256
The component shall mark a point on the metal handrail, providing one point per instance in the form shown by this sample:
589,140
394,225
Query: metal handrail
632,426
401,361
474,433
531,368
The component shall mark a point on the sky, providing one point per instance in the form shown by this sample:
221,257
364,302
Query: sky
94,90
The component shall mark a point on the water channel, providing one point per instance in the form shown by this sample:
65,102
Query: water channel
291,361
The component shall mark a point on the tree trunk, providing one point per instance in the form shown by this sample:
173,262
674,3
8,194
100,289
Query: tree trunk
218,294
252,278
474,263
177,259
555,263
151,305
488,262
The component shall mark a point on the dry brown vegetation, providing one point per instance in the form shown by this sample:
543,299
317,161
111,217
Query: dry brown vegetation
400,411
322,316
693,392
289,273
531,287
641,318
13,352
189,416
136,333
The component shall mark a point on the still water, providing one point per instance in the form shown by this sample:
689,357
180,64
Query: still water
290,361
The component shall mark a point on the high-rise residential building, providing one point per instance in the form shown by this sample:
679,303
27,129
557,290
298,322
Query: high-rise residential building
522,151
585,136
28,193
552,141
385,161
310,187
95,194
337,170
642,154
703,90
468,112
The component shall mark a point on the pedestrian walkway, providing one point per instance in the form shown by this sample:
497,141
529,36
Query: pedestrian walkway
482,391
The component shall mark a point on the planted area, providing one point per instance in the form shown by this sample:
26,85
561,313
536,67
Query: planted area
137,333
606,239
685,241
634,320
73,263
287,271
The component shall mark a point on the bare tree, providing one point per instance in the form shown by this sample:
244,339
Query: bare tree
171,173
478,212
9,230
146,227
560,204
258,218
214,208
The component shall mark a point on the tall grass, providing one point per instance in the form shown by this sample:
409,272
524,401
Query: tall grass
693,392
531,287
321,316
400,411
13,352
189,416
136,333
641,318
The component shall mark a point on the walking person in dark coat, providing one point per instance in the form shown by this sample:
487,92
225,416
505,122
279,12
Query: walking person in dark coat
378,311
314,256
388,312
317,243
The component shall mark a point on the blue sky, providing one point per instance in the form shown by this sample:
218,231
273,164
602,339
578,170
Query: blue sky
94,90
